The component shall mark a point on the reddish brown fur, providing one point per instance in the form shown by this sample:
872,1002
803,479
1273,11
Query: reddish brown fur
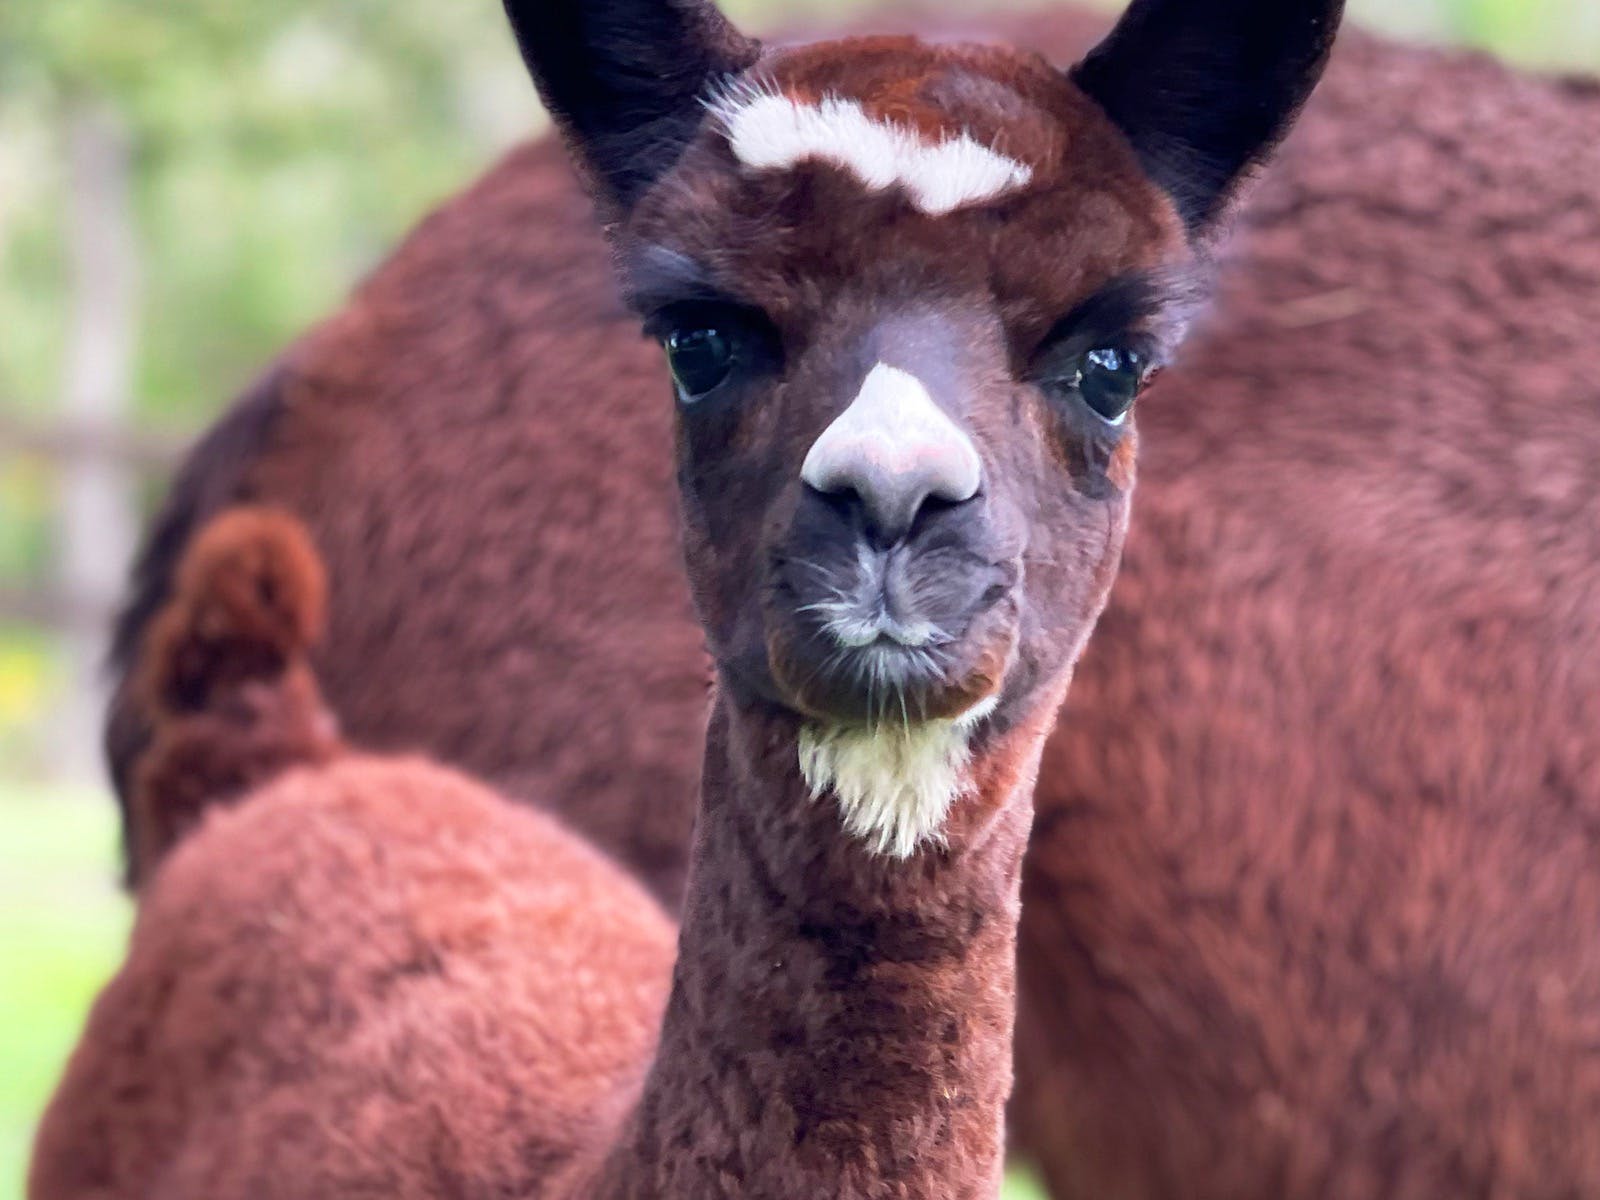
1309,908
355,981
1311,900
248,597
225,668
911,94
890,1079
376,977
1087,215
960,296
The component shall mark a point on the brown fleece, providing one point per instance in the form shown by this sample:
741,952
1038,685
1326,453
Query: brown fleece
377,978
225,672
1310,911
1312,901
370,977
840,1024
840,1020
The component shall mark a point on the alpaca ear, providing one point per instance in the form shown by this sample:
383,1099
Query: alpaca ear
1205,89
624,80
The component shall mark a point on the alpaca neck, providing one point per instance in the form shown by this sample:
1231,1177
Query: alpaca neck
840,1023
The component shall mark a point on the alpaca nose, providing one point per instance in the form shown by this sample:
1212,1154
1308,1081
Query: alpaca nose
893,449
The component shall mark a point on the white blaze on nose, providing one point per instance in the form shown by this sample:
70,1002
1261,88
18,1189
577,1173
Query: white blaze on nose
894,448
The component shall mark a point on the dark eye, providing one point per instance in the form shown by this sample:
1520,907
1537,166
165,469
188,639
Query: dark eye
701,360
1109,380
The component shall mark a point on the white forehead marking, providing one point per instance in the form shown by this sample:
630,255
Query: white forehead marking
896,419
894,784
774,132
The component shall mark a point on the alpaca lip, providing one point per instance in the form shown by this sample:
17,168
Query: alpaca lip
878,627
857,633
884,682
876,668
874,600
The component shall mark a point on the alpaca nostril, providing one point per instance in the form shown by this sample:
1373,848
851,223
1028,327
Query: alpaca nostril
889,505
894,450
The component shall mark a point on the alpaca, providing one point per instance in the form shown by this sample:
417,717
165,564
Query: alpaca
359,976
908,295
1306,899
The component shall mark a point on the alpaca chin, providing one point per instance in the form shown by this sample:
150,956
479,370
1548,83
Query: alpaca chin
894,784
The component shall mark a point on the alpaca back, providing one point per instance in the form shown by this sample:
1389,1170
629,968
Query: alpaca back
372,977
1310,901
497,506
349,975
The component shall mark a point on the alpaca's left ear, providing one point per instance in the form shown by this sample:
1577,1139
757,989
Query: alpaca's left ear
1205,89
624,80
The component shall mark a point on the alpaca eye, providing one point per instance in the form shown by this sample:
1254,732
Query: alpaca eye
1110,380
700,359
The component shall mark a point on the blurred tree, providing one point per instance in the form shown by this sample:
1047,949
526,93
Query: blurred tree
95,526
257,156
279,146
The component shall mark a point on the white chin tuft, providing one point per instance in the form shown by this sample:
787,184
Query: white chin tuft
894,784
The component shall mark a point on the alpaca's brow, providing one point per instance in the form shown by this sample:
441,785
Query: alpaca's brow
655,276
1138,299
1157,303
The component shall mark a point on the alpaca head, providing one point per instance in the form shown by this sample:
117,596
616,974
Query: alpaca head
909,294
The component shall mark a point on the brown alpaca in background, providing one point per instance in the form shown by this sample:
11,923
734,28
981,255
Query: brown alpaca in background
1308,903
373,977
909,295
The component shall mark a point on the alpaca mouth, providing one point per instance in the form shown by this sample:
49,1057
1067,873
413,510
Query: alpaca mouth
884,643
894,681
879,627
882,684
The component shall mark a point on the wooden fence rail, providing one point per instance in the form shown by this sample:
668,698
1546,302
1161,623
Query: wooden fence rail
61,440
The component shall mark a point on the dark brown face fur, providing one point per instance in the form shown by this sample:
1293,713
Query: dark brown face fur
819,277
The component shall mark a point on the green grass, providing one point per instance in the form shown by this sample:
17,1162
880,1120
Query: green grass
63,924
1021,1185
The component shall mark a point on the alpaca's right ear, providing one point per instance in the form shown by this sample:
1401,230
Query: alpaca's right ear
624,80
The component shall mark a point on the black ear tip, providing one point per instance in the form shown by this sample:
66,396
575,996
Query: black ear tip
623,79
1205,89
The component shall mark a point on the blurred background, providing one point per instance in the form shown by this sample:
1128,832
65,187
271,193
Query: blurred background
183,187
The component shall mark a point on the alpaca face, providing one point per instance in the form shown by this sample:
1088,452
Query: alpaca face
908,295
